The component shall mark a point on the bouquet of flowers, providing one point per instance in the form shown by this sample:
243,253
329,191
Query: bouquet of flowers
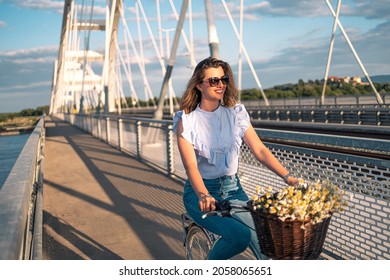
292,223
314,201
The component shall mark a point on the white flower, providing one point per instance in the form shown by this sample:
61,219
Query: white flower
309,200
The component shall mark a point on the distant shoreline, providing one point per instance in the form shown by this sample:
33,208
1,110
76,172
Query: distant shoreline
16,130
18,125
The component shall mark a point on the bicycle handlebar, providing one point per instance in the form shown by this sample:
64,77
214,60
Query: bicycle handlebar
224,208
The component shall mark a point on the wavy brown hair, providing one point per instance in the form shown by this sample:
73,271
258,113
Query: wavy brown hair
192,95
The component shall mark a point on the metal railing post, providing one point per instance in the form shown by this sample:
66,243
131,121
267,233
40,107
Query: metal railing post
169,147
378,121
358,117
120,140
139,138
99,132
108,130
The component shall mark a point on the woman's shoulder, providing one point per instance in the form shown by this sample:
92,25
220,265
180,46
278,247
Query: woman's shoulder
242,119
186,119
176,118
177,115
239,107
236,109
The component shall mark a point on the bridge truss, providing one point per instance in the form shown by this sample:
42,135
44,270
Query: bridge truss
105,50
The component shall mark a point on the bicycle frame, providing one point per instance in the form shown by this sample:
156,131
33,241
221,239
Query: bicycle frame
196,238
187,222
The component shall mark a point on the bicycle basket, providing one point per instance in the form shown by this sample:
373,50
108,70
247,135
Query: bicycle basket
286,240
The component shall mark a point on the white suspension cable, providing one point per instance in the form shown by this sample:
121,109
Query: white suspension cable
192,52
160,36
322,101
87,36
127,73
73,47
240,46
133,94
149,91
378,97
156,49
162,63
245,53
140,41
183,33
118,86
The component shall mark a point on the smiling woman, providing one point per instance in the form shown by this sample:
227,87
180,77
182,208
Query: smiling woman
210,128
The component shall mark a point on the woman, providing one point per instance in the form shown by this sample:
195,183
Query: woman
210,128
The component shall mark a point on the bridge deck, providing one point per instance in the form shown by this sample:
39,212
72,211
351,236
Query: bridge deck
102,204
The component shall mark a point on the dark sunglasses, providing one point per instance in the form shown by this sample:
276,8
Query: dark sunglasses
214,81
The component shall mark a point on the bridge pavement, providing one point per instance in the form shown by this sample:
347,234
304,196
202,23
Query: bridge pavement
100,203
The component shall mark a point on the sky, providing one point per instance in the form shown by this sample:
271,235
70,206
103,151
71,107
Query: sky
285,41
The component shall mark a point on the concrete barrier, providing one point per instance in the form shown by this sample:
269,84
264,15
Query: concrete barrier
21,199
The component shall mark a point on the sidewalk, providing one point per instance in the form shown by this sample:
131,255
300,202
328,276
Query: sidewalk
102,204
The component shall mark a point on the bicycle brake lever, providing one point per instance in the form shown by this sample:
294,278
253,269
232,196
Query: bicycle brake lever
211,213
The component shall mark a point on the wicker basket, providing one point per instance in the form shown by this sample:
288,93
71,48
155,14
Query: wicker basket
287,240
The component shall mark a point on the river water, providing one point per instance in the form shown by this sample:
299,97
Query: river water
10,148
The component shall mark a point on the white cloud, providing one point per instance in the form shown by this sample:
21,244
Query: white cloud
39,4
57,6
37,60
24,86
21,69
307,8
378,9
28,52
2,24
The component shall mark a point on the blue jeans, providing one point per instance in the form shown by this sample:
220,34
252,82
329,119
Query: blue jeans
235,236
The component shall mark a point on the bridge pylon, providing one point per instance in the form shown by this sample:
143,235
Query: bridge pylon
76,87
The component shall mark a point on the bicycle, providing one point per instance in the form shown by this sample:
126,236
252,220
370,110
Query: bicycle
288,241
198,241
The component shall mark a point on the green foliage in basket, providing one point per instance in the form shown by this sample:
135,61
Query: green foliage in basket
308,201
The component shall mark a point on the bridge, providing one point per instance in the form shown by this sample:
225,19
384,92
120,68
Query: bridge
95,181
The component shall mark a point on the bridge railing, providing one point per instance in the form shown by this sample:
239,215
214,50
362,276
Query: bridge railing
21,201
360,166
364,115
336,100
374,116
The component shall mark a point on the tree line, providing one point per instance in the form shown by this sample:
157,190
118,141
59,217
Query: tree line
313,88
301,89
39,111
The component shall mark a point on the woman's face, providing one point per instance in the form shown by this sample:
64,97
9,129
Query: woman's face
212,93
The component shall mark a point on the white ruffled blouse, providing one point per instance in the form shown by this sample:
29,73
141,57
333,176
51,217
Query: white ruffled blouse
216,137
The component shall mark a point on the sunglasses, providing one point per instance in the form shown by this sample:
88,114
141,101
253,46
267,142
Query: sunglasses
214,81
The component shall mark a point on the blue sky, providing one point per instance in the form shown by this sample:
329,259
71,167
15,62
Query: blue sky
286,41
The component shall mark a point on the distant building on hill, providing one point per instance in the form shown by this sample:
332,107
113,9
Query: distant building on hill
356,80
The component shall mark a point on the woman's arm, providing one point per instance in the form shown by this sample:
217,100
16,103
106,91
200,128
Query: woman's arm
188,158
263,155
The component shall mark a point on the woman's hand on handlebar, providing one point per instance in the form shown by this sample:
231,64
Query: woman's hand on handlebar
292,181
206,203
